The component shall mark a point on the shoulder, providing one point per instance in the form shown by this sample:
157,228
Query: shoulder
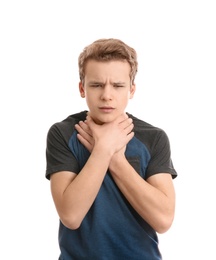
148,133
140,126
66,126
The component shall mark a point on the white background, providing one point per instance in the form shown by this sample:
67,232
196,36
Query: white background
39,45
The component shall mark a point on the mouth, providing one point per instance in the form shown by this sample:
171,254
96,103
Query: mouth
106,109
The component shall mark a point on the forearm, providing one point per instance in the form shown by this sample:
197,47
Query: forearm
151,203
80,194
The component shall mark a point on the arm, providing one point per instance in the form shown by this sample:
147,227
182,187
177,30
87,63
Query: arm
73,194
153,199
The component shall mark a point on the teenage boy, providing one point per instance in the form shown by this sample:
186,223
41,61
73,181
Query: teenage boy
111,173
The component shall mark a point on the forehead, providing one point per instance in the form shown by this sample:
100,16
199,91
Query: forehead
114,68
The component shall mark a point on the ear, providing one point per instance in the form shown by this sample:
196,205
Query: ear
81,90
132,90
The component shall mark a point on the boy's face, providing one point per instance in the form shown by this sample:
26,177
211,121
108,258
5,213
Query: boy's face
107,89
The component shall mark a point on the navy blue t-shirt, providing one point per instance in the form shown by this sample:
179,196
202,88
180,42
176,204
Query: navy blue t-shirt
112,229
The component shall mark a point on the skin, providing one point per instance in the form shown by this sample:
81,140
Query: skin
105,133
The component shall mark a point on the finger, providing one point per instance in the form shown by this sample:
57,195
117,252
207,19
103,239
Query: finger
89,117
130,136
89,122
122,118
82,132
126,123
85,142
130,127
85,127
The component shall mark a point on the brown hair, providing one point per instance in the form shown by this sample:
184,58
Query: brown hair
107,50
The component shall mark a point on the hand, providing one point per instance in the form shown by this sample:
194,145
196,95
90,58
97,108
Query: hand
113,136
85,135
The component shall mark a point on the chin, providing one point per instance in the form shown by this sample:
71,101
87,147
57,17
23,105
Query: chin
104,119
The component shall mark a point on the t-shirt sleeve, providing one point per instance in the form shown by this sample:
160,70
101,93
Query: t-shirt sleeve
58,154
161,161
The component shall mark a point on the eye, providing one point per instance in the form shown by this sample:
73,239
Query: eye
118,86
96,85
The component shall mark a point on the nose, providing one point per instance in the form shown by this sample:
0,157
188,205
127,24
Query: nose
106,92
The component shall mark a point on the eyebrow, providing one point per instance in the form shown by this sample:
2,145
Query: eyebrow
95,82
119,83
101,82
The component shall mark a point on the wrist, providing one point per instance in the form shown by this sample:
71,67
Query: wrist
101,152
117,161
